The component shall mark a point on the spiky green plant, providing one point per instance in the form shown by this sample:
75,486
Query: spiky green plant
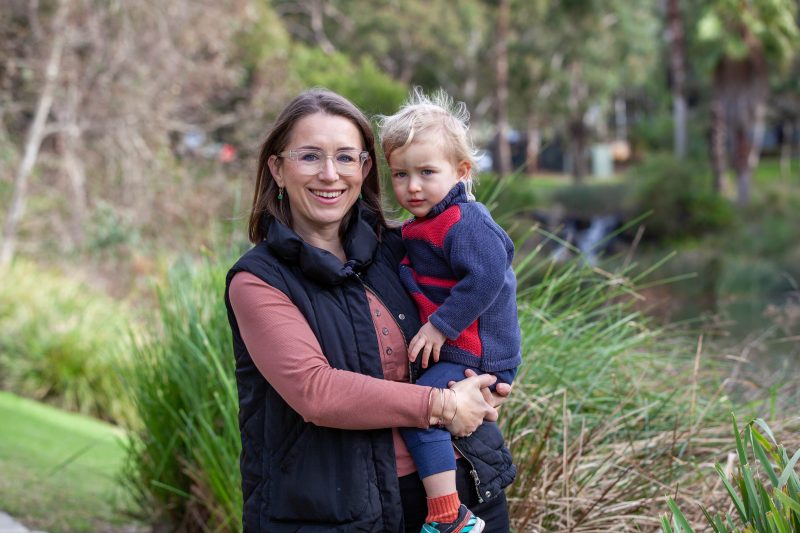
764,492
184,461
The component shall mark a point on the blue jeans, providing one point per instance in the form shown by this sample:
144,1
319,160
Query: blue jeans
431,448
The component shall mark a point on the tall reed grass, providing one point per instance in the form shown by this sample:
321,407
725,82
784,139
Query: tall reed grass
184,462
61,342
604,403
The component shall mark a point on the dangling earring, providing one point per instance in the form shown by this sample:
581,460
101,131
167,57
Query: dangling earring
280,194
360,196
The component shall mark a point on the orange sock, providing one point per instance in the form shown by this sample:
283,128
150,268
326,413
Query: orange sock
443,509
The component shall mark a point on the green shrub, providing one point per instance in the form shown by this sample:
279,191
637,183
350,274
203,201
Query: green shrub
184,463
680,196
593,199
61,342
361,82
758,506
656,133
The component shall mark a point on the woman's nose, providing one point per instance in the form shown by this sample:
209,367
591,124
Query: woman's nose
328,172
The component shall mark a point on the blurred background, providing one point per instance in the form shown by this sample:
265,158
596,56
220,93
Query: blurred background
652,144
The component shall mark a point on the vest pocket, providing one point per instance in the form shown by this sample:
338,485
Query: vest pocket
323,477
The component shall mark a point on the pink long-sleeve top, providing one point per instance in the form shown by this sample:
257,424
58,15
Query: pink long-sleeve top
271,325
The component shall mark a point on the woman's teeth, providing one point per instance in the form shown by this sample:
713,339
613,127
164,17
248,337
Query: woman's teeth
328,194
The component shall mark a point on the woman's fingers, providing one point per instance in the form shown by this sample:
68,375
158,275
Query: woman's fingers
472,406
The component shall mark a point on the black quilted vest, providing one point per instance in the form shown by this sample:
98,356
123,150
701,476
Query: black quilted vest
297,476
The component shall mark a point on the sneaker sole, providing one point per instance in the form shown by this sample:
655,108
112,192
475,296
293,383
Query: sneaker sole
479,526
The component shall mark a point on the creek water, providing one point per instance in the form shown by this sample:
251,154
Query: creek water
746,307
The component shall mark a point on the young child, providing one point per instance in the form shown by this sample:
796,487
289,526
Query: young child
458,269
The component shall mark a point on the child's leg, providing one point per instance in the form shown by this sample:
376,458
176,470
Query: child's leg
433,454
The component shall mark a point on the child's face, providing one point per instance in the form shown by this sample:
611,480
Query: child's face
423,174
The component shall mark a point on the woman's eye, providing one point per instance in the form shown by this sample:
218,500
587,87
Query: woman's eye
345,158
309,156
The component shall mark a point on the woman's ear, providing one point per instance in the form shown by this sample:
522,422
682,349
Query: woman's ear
275,169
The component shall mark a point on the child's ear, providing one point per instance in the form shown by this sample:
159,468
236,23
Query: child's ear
463,169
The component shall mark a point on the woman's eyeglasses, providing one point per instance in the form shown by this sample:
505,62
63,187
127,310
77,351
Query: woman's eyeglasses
312,161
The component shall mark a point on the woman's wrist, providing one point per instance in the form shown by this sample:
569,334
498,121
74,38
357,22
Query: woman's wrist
442,406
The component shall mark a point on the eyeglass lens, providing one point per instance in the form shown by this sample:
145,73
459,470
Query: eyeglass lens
346,162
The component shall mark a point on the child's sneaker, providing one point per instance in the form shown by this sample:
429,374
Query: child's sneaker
466,522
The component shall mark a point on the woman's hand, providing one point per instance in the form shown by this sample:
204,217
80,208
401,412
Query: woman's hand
470,405
496,398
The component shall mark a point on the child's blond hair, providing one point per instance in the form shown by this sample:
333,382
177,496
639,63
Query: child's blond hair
421,113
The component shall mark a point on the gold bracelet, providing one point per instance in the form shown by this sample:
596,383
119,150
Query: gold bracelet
430,409
441,420
455,411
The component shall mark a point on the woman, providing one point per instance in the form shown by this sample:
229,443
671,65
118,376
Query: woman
320,323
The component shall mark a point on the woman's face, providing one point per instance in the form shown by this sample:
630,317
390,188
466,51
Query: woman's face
319,200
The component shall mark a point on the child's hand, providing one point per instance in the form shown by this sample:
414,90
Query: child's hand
429,340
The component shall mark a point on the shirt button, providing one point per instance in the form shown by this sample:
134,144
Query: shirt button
385,331
377,312
401,316
388,351
488,494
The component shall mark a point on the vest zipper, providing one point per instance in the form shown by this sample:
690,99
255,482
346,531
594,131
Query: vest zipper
472,472
405,340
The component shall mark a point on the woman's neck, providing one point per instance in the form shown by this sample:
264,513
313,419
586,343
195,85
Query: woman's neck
326,239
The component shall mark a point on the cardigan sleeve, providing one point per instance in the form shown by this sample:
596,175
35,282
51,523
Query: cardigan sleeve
288,355
479,253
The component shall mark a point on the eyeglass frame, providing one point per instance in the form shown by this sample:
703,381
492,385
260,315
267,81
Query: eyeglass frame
363,157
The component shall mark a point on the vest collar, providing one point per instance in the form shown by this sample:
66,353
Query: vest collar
320,265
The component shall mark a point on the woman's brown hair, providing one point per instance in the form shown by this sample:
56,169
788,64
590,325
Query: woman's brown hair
265,198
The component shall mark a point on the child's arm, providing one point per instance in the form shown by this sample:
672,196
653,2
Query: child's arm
480,254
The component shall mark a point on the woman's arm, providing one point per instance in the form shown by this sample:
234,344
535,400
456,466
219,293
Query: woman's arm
288,355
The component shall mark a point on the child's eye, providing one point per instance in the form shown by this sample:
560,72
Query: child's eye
427,171
399,174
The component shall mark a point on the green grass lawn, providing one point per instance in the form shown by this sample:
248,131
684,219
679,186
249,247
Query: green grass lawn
58,469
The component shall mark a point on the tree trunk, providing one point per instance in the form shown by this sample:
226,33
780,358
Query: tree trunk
748,146
69,144
677,62
501,95
620,119
787,135
717,143
576,128
33,140
579,139
533,145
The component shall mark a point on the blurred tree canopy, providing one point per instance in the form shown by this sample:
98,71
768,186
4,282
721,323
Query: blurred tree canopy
120,86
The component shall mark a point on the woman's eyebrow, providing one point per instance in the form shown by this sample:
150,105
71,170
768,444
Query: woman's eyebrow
314,147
